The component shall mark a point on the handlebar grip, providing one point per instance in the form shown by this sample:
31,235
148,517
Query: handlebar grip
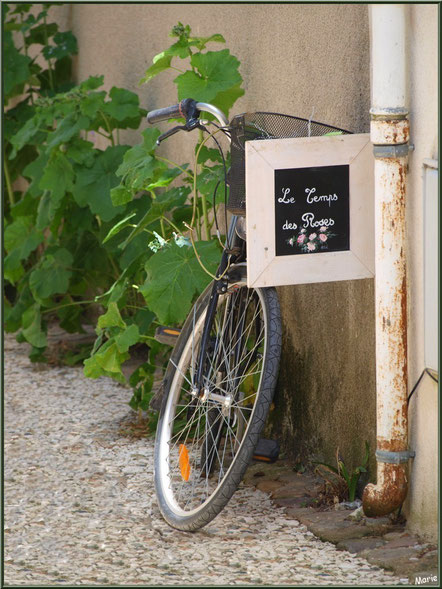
180,110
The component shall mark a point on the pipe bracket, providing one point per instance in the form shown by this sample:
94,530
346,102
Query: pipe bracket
390,151
394,457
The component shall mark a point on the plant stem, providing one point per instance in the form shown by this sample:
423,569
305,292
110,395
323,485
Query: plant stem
191,55
114,266
147,337
175,165
8,183
67,305
25,47
104,135
198,223
109,130
206,215
163,229
172,224
51,77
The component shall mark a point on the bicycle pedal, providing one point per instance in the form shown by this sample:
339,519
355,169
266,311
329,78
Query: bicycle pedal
167,335
266,450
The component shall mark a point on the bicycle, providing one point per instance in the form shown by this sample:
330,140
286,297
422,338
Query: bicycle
221,377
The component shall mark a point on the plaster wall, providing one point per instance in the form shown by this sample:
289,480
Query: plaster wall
421,507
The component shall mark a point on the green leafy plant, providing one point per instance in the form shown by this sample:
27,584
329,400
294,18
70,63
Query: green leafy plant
26,78
343,474
60,210
173,273
100,225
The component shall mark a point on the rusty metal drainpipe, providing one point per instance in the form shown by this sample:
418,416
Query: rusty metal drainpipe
389,134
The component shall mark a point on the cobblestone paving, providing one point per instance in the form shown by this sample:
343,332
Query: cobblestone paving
80,506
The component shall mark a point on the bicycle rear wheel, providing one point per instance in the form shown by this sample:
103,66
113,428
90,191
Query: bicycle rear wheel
205,442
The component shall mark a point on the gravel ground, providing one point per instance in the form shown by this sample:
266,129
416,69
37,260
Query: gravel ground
80,506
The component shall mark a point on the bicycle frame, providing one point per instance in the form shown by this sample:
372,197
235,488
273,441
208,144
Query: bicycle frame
218,285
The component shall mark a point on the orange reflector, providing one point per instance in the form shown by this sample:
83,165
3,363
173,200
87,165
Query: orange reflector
263,458
184,462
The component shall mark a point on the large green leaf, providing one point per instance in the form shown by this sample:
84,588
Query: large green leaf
124,104
17,232
174,276
14,315
139,169
15,66
52,275
120,195
163,60
32,330
92,103
180,49
226,99
41,33
201,42
20,239
140,156
143,319
122,224
110,360
67,128
34,171
58,176
92,83
12,267
127,338
112,317
65,44
26,134
136,252
81,151
106,361
16,117
26,206
209,177
217,71
93,185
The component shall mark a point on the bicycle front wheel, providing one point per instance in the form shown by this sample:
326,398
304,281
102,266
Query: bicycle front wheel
205,440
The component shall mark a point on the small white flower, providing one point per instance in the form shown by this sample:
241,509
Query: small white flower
181,241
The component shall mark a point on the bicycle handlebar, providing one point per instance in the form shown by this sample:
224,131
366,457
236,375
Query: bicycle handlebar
181,110
187,108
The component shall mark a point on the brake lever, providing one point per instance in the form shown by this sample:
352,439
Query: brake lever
171,132
189,126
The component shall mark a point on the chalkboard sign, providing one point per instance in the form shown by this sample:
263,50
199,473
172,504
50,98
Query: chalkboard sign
312,210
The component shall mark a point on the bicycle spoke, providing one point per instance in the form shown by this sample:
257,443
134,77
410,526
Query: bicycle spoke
207,429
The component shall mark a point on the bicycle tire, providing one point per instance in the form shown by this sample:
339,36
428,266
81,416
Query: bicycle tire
199,507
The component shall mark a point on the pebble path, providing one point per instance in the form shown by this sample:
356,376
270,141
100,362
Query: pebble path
80,506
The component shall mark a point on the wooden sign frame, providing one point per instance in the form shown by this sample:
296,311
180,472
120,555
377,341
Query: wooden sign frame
263,157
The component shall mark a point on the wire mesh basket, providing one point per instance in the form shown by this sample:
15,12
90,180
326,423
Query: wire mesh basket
263,125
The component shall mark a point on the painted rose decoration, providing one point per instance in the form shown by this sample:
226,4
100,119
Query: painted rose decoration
312,242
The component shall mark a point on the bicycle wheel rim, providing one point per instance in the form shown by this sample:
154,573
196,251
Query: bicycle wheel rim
185,498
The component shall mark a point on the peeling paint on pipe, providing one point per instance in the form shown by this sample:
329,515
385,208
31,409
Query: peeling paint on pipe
389,126
389,493
382,132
